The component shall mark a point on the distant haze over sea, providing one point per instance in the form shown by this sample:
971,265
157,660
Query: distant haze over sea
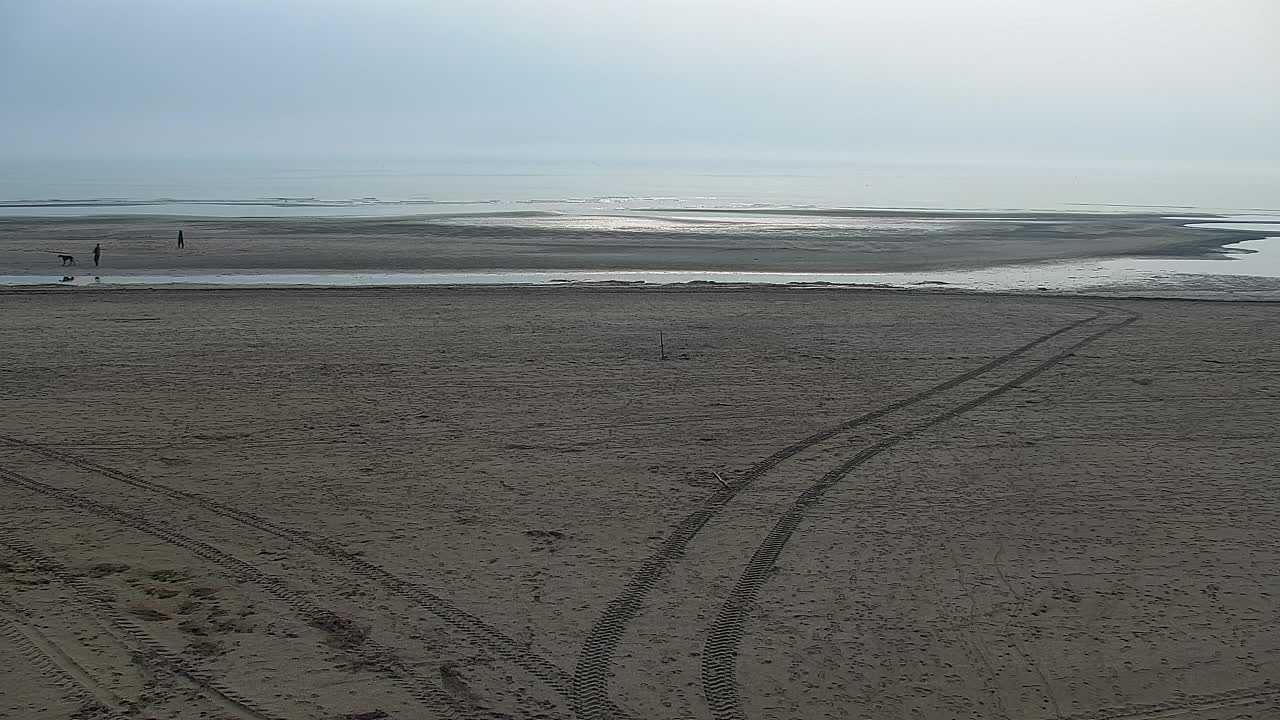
577,180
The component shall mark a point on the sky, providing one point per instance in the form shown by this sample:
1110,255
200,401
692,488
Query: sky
1128,82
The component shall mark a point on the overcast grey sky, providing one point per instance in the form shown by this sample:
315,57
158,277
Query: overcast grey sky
1126,81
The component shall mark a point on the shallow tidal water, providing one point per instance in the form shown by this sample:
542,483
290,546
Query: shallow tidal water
1249,265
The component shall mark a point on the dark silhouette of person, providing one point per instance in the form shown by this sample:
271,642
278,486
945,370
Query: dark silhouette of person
180,243
97,253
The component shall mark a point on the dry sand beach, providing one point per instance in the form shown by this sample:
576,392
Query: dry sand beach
684,360
503,503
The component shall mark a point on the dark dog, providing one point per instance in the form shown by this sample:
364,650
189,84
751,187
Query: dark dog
67,259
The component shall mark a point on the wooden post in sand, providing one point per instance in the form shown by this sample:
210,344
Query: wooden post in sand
662,347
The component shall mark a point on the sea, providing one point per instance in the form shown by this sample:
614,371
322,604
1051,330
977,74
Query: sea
605,188
583,183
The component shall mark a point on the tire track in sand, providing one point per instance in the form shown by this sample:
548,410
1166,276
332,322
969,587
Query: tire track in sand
720,652
591,676
95,700
131,635
369,652
470,627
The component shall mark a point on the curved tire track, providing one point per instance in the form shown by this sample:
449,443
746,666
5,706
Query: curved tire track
372,653
469,626
720,652
591,676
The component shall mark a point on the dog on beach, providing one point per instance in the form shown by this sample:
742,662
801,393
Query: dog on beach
67,259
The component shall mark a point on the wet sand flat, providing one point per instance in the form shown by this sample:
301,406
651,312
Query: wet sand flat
503,502
817,241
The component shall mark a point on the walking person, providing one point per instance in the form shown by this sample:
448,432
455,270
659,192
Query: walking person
97,253
180,243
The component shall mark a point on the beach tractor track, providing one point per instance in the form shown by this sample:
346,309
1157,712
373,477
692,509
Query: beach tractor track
132,635
594,668
368,652
720,651
468,626
96,702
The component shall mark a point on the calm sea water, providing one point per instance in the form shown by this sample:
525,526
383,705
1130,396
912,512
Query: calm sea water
586,184
608,192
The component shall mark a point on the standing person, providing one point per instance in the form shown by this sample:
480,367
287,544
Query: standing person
97,253
180,240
